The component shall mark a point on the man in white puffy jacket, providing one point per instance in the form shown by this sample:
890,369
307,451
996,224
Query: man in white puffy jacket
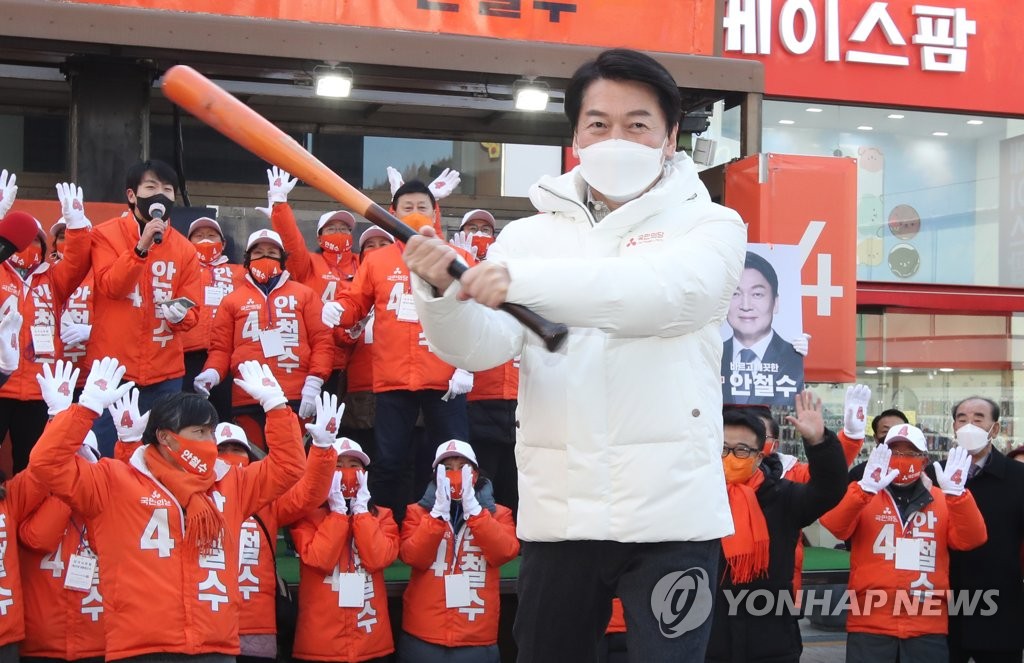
620,431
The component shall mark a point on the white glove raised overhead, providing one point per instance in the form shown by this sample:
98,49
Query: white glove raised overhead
463,240
877,474
10,339
258,381
855,408
103,386
8,191
173,312
460,383
442,496
470,504
335,498
361,502
395,180
206,381
331,314
310,392
953,479
445,183
280,184
324,429
801,343
58,386
128,421
72,206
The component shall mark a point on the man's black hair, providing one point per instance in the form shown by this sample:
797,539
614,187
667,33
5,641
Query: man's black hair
164,173
991,403
412,186
748,420
754,261
175,412
893,412
620,64
762,412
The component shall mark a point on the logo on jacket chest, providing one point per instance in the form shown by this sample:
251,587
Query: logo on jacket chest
155,499
645,238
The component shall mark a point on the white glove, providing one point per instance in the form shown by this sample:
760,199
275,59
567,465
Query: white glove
442,497
268,210
361,503
10,340
310,393
800,343
102,387
953,479
463,240
877,474
331,314
173,313
324,430
72,206
281,184
206,381
470,504
335,498
460,383
855,406
258,381
395,180
130,424
58,386
8,192
74,333
445,183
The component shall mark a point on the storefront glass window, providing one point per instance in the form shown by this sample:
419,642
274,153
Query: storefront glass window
417,158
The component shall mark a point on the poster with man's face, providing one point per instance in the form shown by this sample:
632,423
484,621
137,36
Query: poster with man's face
760,365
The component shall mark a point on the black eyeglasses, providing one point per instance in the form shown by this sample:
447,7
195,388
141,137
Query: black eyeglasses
740,451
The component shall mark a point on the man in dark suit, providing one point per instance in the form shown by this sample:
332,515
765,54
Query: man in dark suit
759,367
997,484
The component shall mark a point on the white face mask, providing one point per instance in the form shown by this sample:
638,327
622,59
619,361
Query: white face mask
620,169
972,438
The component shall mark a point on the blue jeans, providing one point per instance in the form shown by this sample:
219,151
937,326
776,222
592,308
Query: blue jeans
106,433
393,429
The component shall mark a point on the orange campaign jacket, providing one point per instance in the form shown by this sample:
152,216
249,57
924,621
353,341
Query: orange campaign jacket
128,325
360,364
401,358
60,623
500,383
433,551
877,534
218,280
24,494
162,599
291,308
40,299
330,544
79,308
326,278
257,583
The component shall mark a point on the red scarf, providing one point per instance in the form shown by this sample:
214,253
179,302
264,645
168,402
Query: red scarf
203,523
746,551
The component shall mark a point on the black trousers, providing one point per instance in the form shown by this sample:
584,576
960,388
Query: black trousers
220,396
24,421
957,655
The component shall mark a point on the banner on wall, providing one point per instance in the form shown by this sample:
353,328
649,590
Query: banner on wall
1011,212
809,202
680,26
949,54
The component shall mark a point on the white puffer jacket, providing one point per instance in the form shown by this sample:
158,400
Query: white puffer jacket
620,431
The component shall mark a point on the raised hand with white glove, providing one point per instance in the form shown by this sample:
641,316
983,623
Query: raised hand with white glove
463,240
8,191
58,386
72,206
395,180
103,386
953,479
10,339
470,504
128,421
280,184
310,393
258,381
331,314
855,408
877,474
336,498
460,383
442,496
174,312
206,381
445,183
73,333
800,343
324,429
361,502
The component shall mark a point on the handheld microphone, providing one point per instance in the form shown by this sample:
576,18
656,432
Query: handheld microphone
157,211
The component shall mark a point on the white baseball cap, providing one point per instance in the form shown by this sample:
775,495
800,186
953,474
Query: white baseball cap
226,432
204,222
477,215
374,231
339,215
349,447
909,433
454,448
264,236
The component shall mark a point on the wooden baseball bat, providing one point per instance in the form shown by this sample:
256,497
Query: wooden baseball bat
216,107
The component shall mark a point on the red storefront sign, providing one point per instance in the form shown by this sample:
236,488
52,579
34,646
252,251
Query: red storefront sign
810,202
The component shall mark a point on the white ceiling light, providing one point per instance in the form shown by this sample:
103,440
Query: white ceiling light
814,110
531,95
946,370
786,122
939,133
865,127
975,122
906,370
895,116
334,82
870,371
